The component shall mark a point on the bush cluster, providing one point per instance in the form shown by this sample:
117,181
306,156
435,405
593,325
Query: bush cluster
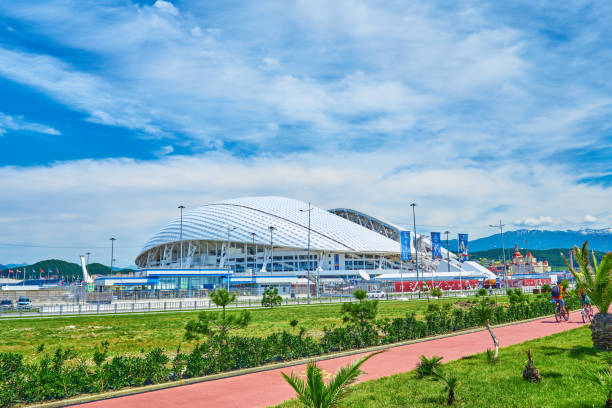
62,373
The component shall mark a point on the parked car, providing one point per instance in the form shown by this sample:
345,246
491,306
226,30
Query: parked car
6,304
23,303
377,294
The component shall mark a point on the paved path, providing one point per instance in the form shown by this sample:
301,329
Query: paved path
268,388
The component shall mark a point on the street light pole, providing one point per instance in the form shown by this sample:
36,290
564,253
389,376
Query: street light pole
87,253
112,240
271,228
181,207
253,273
501,234
227,252
416,249
308,257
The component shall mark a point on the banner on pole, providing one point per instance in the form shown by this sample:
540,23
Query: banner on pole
463,246
435,246
336,262
405,243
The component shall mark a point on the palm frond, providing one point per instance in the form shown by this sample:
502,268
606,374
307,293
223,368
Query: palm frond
337,386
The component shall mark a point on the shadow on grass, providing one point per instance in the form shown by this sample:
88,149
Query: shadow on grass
440,399
580,351
551,374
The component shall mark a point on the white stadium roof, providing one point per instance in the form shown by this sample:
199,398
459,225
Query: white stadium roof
329,232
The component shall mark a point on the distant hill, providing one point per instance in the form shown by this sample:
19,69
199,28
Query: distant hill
599,240
67,269
7,266
551,255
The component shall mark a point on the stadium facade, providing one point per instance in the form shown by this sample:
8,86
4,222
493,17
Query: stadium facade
269,236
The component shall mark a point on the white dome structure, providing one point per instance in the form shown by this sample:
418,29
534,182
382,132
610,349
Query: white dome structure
273,234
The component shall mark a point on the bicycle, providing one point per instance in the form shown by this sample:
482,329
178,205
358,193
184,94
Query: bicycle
587,313
560,312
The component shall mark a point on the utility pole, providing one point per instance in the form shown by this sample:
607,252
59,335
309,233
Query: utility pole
501,234
112,240
271,228
181,207
227,252
253,273
308,257
416,249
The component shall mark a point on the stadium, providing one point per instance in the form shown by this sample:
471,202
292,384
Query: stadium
268,239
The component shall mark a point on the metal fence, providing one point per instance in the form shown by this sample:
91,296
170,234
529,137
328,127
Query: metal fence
206,303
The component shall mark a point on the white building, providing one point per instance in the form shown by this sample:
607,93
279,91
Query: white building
270,236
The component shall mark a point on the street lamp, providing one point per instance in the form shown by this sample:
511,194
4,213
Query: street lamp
181,207
309,210
253,279
271,228
227,252
87,253
501,234
416,250
112,240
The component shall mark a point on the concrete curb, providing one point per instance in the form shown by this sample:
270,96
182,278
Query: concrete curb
154,387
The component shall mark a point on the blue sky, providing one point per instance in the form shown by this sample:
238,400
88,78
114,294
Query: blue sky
114,112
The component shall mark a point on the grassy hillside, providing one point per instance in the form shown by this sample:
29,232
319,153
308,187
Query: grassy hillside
66,269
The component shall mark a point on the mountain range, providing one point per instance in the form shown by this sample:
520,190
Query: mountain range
598,239
66,269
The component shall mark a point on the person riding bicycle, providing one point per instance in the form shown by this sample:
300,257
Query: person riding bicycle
556,296
585,301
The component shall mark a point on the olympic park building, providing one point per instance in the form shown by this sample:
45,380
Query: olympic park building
276,241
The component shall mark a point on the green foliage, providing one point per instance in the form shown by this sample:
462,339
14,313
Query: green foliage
482,292
361,314
603,379
436,292
271,298
360,294
565,284
427,366
67,269
546,288
314,393
450,381
213,324
596,279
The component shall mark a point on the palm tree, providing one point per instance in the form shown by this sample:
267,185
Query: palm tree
451,382
314,393
603,378
221,297
484,313
596,281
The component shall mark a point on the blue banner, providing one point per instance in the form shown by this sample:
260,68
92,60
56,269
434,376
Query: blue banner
463,246
336,262
405,243
435,246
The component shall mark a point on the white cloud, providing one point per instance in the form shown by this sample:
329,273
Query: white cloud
88,201
166,7
539,221
589,218
8,122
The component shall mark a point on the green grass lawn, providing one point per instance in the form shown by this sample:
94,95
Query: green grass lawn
133,332
558,357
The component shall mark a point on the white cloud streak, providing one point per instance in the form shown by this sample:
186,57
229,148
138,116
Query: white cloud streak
18,123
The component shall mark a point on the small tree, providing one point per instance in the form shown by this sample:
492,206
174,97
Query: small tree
481,292
437,293
314,393
428,366
596,281
362,313
212,324
484,313
271,298
451,382
531,373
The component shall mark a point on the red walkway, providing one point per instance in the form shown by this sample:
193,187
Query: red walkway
268,388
